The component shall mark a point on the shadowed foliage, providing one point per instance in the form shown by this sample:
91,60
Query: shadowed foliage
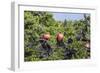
72,46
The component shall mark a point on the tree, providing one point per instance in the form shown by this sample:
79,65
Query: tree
37,23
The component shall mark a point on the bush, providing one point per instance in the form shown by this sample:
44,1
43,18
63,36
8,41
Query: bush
38,23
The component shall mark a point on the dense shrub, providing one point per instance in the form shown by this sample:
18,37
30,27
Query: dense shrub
76,35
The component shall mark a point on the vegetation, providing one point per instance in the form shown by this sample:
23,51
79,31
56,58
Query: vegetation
75,43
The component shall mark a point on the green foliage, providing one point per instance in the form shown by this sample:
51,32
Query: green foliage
37,23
